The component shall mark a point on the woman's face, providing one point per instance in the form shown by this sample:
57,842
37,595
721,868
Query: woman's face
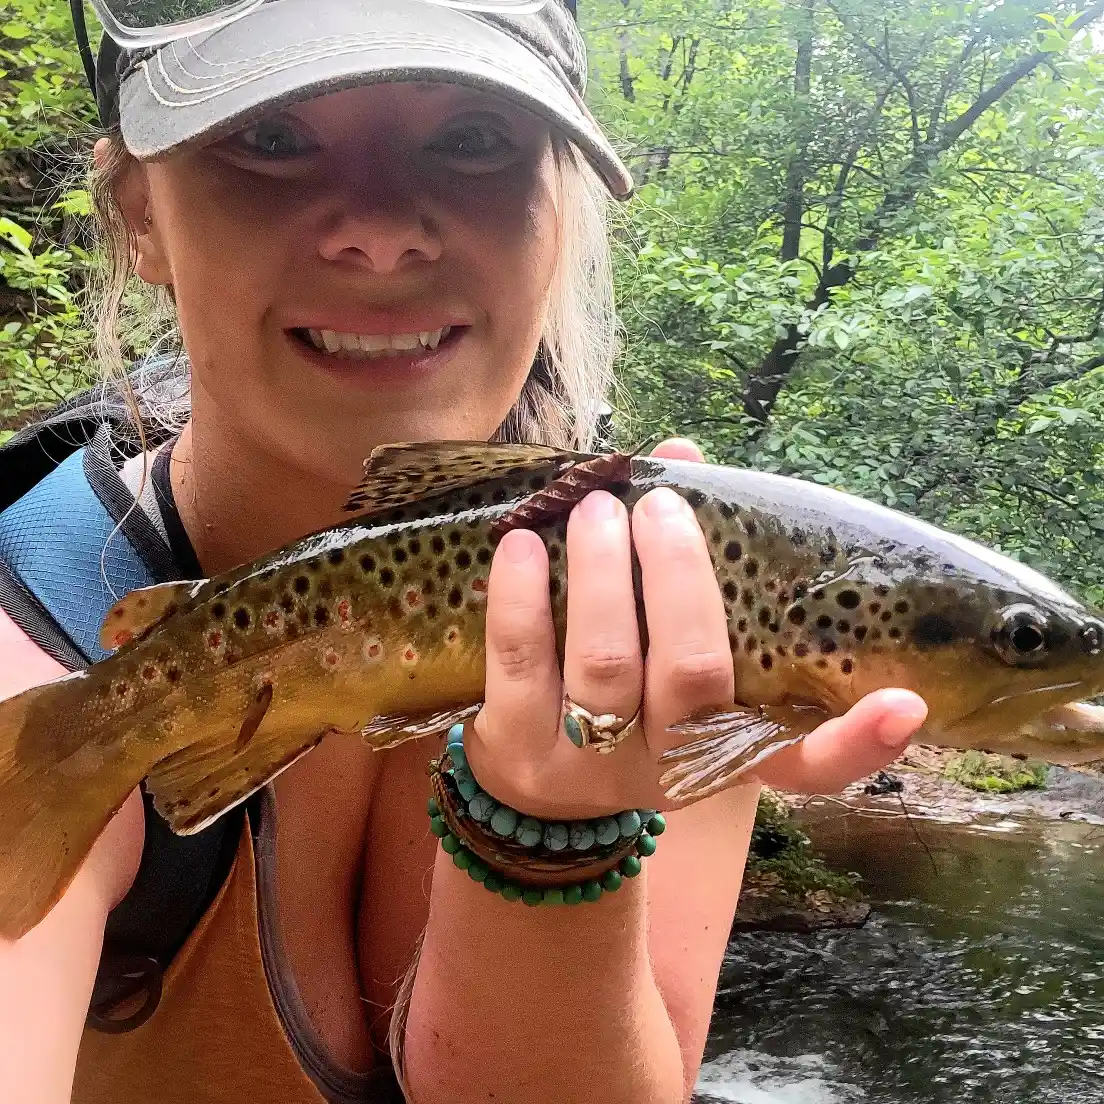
370,266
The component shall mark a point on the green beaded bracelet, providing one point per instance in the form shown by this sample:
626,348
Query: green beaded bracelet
492,819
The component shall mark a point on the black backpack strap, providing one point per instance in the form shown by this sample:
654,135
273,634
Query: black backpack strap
69,546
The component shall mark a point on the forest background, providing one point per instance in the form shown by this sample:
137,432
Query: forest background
867,247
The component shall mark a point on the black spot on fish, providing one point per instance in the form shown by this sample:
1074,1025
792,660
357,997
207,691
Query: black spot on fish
741,625
242,618
828,645
554,587
454,538
748,597
696,499
218,610
822,663
387,576
431,611
901,607
336,556
932,630
801,649
173,674
895,633
751,644
751,568
766,662
367,564
796,614
764,617
849,599
846,666
483,556
843,626
399,555
800,590
538,483
731,592
443,570
817,594
733,551
302,584
875,634
751,528
321,616
463,558
455,598
887,615
773,626
437,544
860,632
726,510
287,603
475,499
415,546
824,621
875,606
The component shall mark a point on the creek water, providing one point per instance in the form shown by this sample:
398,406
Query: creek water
978,979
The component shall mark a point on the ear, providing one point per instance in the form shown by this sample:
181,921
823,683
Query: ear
132,194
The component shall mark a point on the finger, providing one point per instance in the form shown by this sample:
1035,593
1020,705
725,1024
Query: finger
523,672
871,734
689,664
603,667
678,448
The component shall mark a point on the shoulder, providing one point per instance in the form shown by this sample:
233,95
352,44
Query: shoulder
22,662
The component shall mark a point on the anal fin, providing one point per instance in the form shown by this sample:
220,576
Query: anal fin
728,745
194,786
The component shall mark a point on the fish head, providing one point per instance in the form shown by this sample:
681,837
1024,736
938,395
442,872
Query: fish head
993,661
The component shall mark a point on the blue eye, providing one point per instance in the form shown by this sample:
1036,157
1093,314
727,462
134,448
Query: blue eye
272,138
473,143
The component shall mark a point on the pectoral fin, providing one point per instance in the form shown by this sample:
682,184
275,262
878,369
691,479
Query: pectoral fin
726,746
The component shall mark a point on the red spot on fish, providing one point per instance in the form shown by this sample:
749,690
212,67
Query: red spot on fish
452,635
149,673
117,613
373,649
479,586
331,658
413,599
344,611
272,619
214,639
122,637
409,655
122,689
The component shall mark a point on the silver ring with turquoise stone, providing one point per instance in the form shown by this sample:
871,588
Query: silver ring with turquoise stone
601,731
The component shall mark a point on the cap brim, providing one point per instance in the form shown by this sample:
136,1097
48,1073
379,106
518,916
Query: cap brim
199,89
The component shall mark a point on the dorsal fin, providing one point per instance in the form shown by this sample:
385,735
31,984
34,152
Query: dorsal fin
134,616
401,474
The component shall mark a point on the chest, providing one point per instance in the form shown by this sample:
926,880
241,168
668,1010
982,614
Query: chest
354,858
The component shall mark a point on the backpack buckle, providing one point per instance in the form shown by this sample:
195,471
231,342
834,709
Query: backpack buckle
126,994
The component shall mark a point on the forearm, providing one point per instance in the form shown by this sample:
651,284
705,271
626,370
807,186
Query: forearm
544,1005
45,985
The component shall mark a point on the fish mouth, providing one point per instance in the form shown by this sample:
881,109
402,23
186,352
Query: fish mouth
993,713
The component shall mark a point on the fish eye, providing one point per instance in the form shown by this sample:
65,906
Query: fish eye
1021,634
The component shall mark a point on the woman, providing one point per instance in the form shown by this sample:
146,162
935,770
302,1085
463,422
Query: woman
376,223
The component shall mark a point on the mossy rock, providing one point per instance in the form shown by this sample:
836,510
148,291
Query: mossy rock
996,773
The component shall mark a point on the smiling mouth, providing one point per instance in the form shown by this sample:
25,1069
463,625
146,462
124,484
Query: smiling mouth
351,346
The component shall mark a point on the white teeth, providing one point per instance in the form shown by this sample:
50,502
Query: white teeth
375,345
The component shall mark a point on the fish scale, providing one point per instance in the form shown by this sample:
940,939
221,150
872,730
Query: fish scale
377,625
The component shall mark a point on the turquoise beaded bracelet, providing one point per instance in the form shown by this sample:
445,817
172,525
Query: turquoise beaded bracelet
524,845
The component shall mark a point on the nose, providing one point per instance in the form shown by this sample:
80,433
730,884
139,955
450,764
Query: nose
377,222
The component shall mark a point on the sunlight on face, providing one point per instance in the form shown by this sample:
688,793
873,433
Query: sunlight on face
373,219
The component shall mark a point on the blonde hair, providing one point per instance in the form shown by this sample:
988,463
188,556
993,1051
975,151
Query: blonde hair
561,400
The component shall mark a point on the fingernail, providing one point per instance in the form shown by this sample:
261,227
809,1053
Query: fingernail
666,505
598,506
899,725
516,547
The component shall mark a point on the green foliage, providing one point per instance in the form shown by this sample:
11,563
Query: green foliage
895,213
43,267
996,773
781,854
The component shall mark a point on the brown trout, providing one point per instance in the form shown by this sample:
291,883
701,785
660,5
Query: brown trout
377,626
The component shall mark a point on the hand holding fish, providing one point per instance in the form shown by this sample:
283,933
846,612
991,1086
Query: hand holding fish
519,749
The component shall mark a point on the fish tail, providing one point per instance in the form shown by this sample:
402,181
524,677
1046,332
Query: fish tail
59,787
